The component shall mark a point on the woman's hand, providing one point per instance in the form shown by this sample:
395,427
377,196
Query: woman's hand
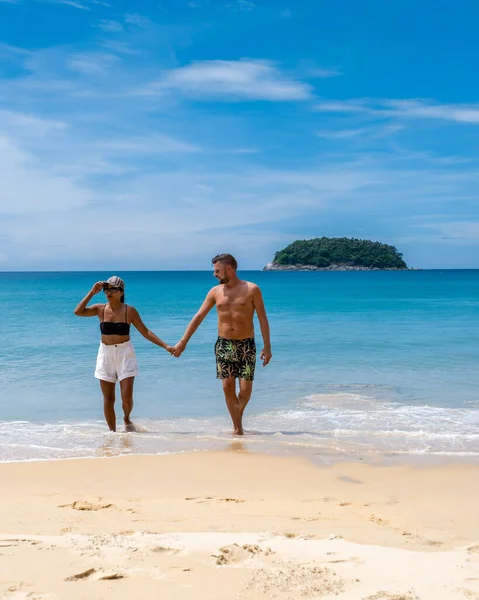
169,349
96,288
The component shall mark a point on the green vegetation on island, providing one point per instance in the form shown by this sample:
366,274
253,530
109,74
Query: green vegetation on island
337,253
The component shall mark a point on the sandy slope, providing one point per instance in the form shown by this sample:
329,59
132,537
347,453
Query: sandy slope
235,525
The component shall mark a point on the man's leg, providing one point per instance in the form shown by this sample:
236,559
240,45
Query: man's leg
126,387
245,389
232,402
108,391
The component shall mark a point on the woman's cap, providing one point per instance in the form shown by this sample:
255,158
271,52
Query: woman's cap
115,282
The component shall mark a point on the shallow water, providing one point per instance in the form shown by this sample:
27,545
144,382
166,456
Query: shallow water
363,361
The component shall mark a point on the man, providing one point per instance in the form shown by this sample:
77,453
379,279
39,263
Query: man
236,302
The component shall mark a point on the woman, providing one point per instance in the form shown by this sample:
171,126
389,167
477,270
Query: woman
116,359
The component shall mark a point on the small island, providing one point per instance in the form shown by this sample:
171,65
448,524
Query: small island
337,254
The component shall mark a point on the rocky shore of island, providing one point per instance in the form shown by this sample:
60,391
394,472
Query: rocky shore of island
332,267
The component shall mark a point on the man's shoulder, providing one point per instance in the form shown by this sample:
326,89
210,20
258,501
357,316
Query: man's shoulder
251,286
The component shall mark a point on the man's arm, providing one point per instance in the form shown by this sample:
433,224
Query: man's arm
195,322
264,325
92,311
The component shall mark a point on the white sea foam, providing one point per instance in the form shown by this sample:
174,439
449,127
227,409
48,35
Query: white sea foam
346,423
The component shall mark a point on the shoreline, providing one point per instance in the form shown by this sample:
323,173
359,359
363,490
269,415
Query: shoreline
231,524
126,444
68,440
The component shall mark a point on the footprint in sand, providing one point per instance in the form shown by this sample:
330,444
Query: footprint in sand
98,574
348,479
82,575
235,553
165,550
85,505
473,549
296,581
209,499
389,596
28,596
378,520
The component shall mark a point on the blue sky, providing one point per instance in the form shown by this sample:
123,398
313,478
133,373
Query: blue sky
152,135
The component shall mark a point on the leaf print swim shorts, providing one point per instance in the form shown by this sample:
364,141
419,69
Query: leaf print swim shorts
235,358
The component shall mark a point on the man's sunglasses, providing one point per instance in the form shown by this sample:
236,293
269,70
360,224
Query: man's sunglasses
111,288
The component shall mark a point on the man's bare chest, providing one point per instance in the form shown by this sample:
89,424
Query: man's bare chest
234,302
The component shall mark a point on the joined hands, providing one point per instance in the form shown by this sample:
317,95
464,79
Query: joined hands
178,349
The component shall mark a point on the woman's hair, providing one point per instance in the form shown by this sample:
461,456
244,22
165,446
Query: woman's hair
122,299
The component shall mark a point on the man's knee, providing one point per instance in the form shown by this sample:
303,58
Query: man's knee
245,395
109,399
246,388
229,385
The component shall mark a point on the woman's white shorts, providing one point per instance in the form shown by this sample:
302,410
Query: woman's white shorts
116,362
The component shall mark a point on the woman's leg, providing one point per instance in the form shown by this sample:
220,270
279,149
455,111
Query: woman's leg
126,387
108,391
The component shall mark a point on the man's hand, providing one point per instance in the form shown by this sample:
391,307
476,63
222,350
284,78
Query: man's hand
169,349
97,288
179,348
266,356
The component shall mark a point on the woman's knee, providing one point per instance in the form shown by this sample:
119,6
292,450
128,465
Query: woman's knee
109,399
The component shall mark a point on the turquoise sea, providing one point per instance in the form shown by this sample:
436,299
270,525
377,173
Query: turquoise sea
362,361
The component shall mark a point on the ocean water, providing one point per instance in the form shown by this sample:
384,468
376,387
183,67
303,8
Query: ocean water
362,362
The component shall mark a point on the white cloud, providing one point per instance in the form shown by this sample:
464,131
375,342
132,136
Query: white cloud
110,26
27,188
406,109
241,5
148,145
324,73
28,125
372,132
70,3
243,79
462,113
465,231
121,47
92,63
137,20
341,134
172,215
8,50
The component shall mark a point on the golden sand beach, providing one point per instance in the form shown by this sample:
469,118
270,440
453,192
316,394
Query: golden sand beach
236,525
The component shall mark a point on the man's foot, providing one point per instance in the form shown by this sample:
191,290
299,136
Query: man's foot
129,426
238,431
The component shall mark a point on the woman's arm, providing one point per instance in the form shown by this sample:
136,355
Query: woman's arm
81,310
145,332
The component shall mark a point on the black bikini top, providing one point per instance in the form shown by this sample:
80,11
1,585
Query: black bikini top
115,328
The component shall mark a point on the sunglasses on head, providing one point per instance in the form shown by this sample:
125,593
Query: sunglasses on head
111,288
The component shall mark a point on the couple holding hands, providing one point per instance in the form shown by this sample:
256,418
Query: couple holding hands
235,350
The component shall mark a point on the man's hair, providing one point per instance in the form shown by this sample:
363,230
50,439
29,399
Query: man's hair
225,259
